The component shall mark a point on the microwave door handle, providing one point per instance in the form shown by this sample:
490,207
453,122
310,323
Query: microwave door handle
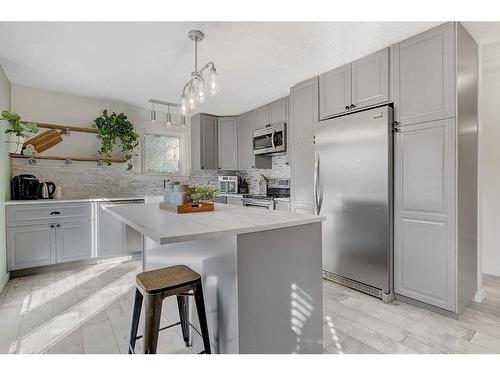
272,139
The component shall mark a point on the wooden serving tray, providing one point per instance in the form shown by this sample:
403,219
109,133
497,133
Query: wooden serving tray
188,207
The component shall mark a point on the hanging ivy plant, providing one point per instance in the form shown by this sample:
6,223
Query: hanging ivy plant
113,128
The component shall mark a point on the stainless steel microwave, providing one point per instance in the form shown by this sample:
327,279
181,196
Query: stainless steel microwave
270,139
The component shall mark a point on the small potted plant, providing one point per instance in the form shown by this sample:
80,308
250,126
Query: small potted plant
17,132
203,193
113,128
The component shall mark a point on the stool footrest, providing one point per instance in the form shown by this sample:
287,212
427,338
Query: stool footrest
162,329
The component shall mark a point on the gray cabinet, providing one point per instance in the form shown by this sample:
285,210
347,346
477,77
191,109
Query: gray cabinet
228,143
245,139
278,111
424,243
303,117
335,91
282,206
262,118
73,241
235,201
370,79
363,83
30,246
220,199
204,142
424,76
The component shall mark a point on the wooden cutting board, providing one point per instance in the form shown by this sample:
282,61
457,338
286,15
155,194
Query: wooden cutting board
45,140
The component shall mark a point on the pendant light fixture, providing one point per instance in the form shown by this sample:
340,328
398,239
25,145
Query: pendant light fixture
194,91
169,115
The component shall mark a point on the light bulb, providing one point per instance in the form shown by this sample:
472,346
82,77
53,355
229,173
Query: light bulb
201,90
169,118
212,82
191,98
183,105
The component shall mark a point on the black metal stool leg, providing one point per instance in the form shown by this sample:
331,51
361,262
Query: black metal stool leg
136,315
183,304
152,315
202,317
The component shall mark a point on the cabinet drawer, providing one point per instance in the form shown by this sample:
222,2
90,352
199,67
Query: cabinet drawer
41,213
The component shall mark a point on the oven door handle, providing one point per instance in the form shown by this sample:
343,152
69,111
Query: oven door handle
272,139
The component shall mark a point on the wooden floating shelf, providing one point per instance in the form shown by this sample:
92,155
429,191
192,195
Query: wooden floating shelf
72,158
70,128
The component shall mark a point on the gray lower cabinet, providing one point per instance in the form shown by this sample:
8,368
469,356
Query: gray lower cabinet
424,76
235,201
74,241
424,213
30,246
282,206
246,158
303,117
204,142
228,143
220,199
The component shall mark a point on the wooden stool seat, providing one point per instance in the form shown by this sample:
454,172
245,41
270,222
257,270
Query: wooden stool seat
153,287
165,279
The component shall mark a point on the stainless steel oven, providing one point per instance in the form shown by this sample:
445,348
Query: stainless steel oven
270,139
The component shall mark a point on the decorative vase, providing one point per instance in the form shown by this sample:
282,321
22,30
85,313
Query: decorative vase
15,143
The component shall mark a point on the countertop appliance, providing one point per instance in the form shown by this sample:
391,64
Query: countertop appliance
270,139
277,188
353,188
46,190
228,184
24,186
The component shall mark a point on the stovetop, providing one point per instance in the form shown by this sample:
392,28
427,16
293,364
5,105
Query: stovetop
265,197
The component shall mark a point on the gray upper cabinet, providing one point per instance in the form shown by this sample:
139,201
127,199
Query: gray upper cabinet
204,142
228,143
363,83
335,91
303,117
246,158
278,111
424,76
262,118
370,79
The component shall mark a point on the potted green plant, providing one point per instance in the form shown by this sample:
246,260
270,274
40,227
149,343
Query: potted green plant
203,193
115,128
17,132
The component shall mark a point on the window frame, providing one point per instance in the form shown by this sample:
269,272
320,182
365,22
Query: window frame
184,151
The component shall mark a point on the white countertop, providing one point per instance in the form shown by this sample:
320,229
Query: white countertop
165,227
76,200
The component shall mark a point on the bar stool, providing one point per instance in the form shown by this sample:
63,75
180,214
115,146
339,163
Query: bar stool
154,286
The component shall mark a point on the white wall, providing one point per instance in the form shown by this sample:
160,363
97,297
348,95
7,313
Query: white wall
4,176
489,159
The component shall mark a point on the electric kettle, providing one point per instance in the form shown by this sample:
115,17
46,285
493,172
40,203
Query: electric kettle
46,190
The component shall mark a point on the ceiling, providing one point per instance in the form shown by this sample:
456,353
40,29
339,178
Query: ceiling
130,62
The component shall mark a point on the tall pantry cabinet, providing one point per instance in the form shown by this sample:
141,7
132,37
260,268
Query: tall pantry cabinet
434,77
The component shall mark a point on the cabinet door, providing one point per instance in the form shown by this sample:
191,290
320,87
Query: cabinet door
74,241
302,174
278,112
209,143
370,79
235,201
196,143
282,206
30,246
303,110
424,76
110,234
228,135
246,159
424,211
262,117
335,91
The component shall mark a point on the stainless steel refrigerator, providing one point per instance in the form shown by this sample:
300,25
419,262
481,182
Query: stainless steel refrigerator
353,189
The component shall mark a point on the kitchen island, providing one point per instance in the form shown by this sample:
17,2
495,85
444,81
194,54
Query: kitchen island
261,271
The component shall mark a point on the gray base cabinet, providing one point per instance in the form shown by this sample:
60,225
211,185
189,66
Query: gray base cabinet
30,246
74,241
235,201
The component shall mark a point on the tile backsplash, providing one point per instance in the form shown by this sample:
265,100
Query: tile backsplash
85,179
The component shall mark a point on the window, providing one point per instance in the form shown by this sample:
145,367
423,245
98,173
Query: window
164,153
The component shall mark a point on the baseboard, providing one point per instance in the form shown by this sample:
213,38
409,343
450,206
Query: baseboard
426,306
4,281
479,296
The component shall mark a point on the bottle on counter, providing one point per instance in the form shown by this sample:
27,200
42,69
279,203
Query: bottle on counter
168,189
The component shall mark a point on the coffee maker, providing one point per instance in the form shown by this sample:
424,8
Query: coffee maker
25,186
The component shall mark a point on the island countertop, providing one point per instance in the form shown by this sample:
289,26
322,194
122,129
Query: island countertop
166,227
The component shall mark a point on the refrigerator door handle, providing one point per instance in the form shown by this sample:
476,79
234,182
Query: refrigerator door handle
317,204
